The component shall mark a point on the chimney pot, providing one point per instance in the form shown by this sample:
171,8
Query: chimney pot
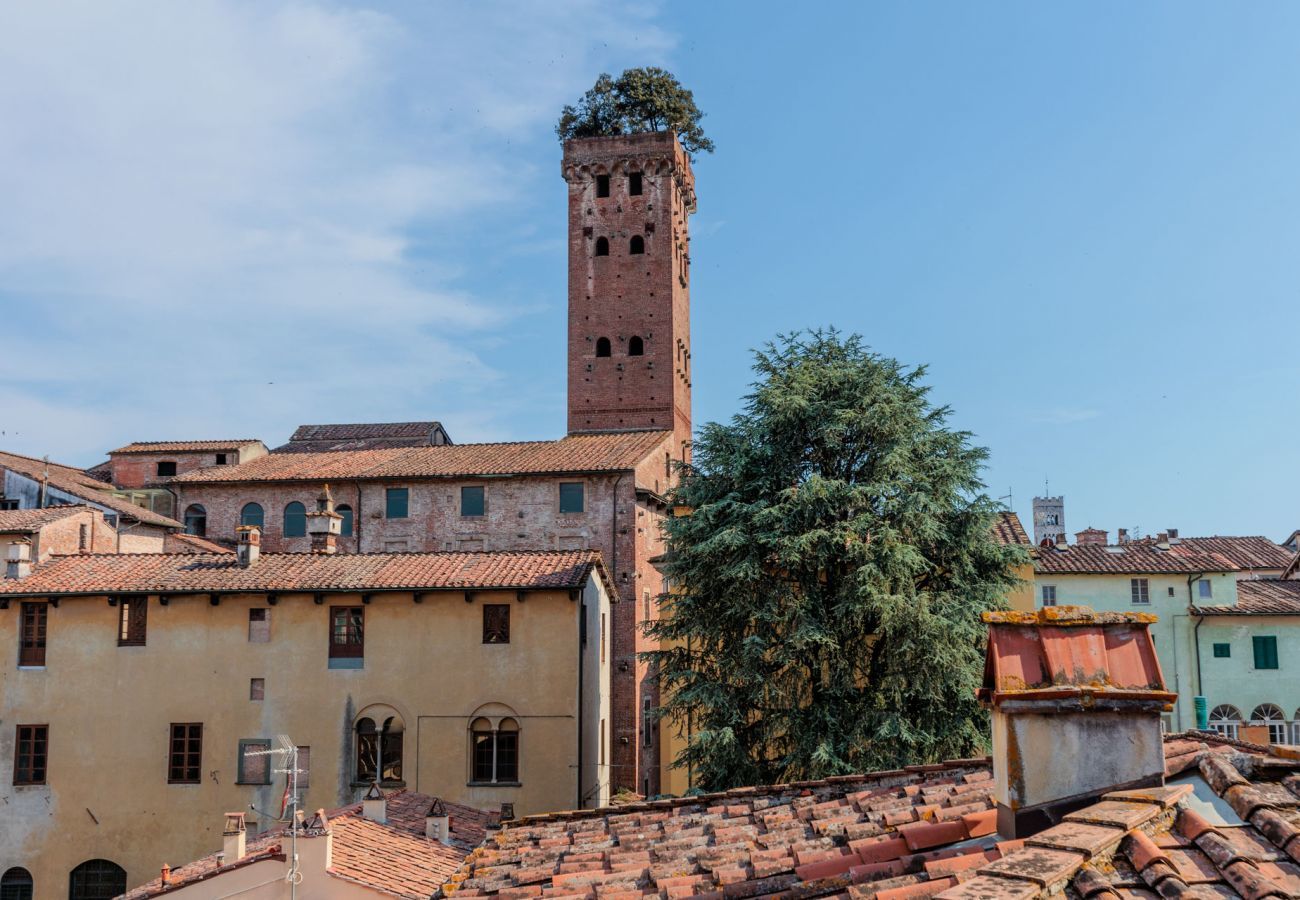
1060,540
1123,536
233,837
374,805
18,563
249,548
324,524
1162,540
437,824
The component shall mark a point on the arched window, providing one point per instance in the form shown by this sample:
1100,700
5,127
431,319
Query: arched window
602,246
1270,715
1225,719
379,750
602,346
196,522
295,520
345,527
252,514
495,751
636,245
635,346
16,884
96,879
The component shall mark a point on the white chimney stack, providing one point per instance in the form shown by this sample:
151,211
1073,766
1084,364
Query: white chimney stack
233,837
18,564
374,805
437,824
324,524
249,547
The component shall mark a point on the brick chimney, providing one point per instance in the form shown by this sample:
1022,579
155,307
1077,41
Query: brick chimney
324,524
249,546
1162,540
18,563
1123,536
233,838
1076,698
437,824
1091,536
374,805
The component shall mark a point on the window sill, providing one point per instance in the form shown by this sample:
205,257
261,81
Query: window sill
252,783
31,668
395,785
347,662
491,784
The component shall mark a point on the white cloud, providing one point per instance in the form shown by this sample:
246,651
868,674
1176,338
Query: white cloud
1065,415
203,199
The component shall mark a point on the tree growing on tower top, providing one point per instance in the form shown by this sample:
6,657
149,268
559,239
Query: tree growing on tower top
639,100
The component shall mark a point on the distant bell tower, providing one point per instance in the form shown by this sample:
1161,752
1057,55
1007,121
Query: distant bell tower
629,284
1049,519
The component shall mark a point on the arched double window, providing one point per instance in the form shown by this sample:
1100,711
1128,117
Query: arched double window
252,514
635,346
602,246
636,246
602,346
1225,719
295,520
1274,718
196,522
96,879
379,746
494,751
345,527
16,884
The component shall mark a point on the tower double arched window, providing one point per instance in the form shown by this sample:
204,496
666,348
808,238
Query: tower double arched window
379,748
495,750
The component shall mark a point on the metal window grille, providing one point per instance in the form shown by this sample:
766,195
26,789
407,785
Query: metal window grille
496,623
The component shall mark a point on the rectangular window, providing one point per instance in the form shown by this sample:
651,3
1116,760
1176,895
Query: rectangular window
507,756
347,632
571,497
1222,651
31,750
259,625
602,185
647,719
634,184
396,503
496,623
257,689
483,756
83,537
221,459
1204,589
185,759
254,769
31,642
471,501
304,768
645,596
1265,651
1049,595
1140,589
131,612
166,469
8,503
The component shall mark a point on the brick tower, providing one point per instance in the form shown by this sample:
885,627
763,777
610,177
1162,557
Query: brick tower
629,284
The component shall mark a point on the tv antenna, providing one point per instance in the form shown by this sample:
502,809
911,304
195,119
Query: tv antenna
1009,499
287,754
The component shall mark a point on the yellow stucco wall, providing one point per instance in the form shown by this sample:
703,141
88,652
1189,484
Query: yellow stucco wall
109,710
1021,597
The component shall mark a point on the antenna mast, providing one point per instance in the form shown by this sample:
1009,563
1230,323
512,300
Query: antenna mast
288,750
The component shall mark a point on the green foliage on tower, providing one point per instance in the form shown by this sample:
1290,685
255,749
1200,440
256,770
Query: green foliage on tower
639,100
825,590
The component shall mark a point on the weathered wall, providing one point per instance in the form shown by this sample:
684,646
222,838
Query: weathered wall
137,470
109,716
1234,679
63,536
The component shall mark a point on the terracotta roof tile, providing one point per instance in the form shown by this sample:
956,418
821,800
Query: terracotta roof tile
1008,530
179,573
1252,552
575,454
24,521
363,436
84,486
1259,597
1133,558
180,542
183,446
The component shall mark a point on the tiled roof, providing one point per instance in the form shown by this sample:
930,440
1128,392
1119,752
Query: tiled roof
180,542
183,446
364,436
80,484
23,521
1133,558
1259,597
1008,530
609,452
1254,552
182,573
395,857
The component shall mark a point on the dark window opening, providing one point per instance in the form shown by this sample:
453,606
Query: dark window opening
131,625
221,459
31,641
16,884
185,759
295,520
602,246
96,879
602,185
496,623
635,346
634,184
602,346
345,527
397,503
571,497
31,750
8,503
252,514
83,542
166,469
636,246
379,751
472,501
347,632
196,519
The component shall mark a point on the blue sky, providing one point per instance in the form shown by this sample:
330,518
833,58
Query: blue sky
225,219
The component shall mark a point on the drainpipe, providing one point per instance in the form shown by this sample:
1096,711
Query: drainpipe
582,670
1196,631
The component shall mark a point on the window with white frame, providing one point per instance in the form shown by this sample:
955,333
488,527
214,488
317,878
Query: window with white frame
1225,719
1271,716
1049,595
1140,589
1204,589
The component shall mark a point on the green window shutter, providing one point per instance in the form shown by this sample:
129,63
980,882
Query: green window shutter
1222,651
1265,651
396,503
295,520
471,501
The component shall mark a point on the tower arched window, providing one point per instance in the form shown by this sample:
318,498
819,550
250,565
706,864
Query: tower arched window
16,884
602,346
379,749
96,879
345,527
196,519
635,346
636,245
602,246
252,514
295,520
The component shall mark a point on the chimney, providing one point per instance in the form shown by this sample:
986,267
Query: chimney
232,837
324,524
249,547
166,874
1162,540
374,806
1076,698
1091,536
1173,534
437,824
1060,540
18,564
1123,536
